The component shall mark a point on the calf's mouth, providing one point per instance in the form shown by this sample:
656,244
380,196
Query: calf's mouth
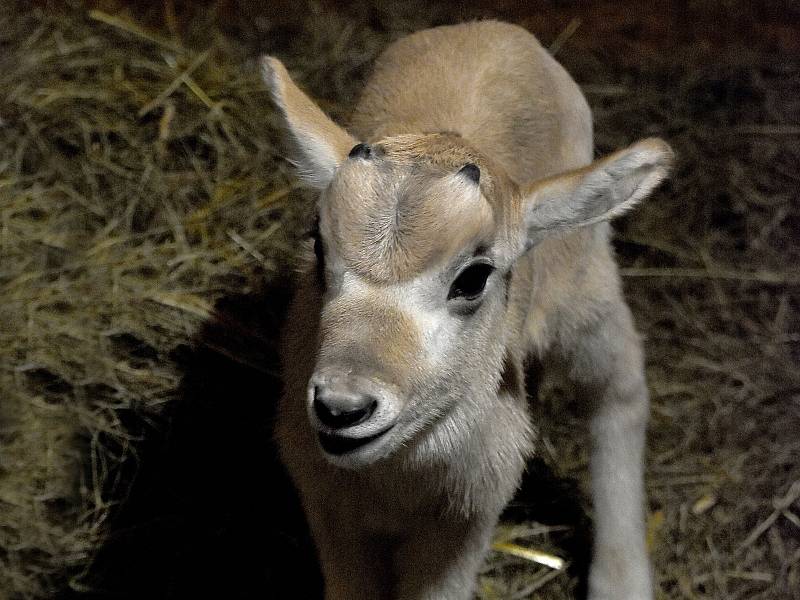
338,445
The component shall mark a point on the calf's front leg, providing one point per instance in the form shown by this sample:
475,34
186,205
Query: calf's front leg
436,559
609,367
354,564
440,561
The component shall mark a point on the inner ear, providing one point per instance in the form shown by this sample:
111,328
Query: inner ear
601,191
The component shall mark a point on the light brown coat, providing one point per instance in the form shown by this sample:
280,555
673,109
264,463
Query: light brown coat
409,512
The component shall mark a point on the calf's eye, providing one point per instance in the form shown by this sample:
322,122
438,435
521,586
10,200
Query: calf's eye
471,282
319,252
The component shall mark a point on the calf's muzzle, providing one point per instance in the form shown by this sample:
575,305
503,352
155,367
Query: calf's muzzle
342,407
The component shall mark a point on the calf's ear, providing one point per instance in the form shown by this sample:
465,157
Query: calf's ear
598,192
320,144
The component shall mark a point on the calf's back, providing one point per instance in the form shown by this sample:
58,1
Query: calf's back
490,82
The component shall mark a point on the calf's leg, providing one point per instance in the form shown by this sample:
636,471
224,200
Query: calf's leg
354,563
441,561
608,366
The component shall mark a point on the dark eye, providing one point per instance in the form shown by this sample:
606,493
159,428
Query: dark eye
471,281
319,252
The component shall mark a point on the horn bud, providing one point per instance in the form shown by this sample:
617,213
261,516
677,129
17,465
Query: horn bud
361,151
471,171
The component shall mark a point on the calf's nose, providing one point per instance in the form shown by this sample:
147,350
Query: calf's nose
340,408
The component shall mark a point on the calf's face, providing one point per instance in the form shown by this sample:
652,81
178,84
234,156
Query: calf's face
416,242
411,266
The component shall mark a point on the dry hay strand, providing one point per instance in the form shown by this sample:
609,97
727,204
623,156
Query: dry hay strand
141,181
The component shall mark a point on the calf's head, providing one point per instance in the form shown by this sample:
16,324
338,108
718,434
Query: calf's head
416,239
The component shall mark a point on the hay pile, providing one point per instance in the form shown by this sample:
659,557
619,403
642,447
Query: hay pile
147,224
140,182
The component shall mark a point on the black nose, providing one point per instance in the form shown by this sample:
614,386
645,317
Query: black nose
341,409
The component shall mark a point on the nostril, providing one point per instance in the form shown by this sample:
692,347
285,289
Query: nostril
343,410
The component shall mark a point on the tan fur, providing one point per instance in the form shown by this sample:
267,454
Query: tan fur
405,207
310,126
538,126
410,512
393,354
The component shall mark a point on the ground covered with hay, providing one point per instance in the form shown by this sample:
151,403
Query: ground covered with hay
148,225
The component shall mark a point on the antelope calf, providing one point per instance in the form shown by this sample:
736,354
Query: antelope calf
462,226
